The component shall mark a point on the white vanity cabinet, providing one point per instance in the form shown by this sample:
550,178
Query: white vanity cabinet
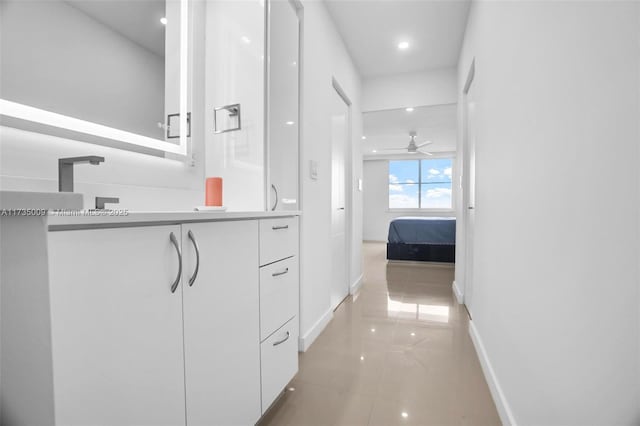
116,327
174,324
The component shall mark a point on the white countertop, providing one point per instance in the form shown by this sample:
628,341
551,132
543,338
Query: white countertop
81,219
60,212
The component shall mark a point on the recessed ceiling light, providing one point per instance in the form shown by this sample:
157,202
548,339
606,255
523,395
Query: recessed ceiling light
245,39
163,20
404,414
403,45
290,123
409,109
364,137
374,151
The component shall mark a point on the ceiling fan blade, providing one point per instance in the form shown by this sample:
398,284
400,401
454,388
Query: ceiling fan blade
424,143
424,152
392,149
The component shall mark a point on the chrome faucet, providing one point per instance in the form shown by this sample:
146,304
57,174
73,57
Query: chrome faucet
101,201
65,170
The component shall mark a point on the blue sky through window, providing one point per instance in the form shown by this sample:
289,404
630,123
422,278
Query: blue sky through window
422,184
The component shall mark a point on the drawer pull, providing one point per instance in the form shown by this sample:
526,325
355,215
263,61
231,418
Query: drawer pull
277,274
275,228
279,342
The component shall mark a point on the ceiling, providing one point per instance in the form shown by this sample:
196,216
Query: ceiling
372,29
138,20
390,129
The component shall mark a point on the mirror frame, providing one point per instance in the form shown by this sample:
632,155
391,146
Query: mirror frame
24,113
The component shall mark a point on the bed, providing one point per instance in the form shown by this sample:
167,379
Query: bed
430,239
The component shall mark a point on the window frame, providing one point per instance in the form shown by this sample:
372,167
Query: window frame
447,156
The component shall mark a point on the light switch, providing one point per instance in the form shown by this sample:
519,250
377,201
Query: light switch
313,169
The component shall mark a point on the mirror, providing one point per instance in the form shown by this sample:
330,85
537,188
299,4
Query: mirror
103,71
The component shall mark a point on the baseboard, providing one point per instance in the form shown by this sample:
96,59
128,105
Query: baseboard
504,410
304,342
458,293
355,286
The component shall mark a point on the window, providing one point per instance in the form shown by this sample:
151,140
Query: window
420,184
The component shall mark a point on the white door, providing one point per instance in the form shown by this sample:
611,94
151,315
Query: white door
470,197
116,327
339,129
221,323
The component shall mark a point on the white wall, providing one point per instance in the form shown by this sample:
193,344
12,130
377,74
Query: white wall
29,162
235,75
324,57
376,202
556,283
434,87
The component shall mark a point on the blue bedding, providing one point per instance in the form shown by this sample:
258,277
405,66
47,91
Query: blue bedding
423,230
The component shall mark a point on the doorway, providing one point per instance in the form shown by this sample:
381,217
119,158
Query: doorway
469,204
340,115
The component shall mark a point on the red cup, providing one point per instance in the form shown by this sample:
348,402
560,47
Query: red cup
213,191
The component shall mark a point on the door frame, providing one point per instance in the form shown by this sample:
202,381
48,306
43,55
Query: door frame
465,175
348,171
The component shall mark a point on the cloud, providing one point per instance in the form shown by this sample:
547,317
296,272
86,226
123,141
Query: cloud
447,172
396,188
393,179
434,172
411,181
403,201
438,193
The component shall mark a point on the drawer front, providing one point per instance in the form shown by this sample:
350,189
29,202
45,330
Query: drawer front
279,354
278,295
278,239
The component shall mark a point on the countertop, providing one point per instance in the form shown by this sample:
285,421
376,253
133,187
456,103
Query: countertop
88,219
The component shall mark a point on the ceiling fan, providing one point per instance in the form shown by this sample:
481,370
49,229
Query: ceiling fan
412,148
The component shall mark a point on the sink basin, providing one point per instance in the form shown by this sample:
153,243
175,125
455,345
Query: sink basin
40,200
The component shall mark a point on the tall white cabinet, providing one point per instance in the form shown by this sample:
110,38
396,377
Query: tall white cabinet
283,105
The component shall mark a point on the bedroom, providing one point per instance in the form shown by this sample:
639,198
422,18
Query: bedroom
409,194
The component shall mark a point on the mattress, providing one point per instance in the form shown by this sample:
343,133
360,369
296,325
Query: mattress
423,230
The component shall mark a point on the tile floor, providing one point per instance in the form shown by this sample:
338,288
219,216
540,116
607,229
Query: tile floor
396,353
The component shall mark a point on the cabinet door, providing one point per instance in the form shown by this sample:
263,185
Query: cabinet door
116,327
221,323
283,115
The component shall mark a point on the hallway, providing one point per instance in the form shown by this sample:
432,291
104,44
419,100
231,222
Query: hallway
396,352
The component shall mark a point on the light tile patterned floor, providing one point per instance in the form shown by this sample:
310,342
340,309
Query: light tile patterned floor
396,353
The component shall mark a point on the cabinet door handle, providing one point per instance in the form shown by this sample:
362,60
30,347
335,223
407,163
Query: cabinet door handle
174,241
195,246
275,204
277,274
279,342
275,228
